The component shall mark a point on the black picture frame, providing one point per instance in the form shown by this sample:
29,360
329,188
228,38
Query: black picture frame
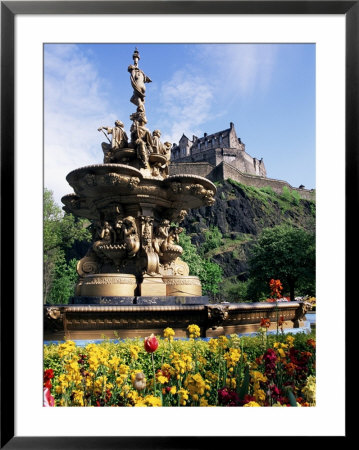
9,9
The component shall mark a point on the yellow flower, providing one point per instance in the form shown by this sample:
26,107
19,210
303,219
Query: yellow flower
151,400
258,376
252,404
223,342
203,402
309,390
78,397
232,357
66,349
213,377
231,383
134,349
183,396
123,369
168,333
114,363
195,384
173,390
194,331
213,345
260,395
290,340
161,379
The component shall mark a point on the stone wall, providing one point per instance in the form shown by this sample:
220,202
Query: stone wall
224,171
203,169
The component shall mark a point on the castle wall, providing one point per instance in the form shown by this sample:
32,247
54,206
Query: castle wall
202,169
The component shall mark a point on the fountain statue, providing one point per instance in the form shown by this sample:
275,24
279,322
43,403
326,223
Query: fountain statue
135,208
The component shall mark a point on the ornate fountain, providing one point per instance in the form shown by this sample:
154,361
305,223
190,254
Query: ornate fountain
132,281
135,209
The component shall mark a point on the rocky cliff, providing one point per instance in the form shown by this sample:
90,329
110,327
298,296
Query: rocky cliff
241,213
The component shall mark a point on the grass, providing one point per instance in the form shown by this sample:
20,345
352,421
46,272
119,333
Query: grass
288,200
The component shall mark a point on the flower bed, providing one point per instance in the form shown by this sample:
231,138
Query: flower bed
263,370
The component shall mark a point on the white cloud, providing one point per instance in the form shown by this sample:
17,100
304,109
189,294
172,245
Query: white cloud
187,100
240,69
192,96
75,107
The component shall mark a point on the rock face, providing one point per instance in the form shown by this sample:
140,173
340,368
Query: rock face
241,213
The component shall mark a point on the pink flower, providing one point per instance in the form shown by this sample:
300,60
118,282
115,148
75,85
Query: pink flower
48,398
151,343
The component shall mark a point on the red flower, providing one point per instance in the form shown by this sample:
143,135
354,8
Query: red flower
151,343
265,323
280,321
48,398
228,397
48,375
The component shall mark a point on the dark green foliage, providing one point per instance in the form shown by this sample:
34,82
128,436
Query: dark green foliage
244,291
245,385
208,272
235,292
284,253
60,232
63,285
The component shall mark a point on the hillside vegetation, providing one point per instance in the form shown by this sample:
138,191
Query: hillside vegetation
236,220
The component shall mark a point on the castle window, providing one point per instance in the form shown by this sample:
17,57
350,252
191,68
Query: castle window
220,139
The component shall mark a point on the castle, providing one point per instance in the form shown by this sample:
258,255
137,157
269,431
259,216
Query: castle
222,155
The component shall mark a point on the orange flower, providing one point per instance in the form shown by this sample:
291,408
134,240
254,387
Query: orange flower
265,323
276,287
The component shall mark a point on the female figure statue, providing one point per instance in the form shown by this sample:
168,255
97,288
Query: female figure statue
130,236
138,80
161,236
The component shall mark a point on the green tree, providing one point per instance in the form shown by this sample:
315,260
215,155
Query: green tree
208,272
60,231
64,281
284,253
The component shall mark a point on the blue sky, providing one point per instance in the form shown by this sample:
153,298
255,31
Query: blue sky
266,90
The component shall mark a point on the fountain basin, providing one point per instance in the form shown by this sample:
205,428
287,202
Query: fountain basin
89,321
